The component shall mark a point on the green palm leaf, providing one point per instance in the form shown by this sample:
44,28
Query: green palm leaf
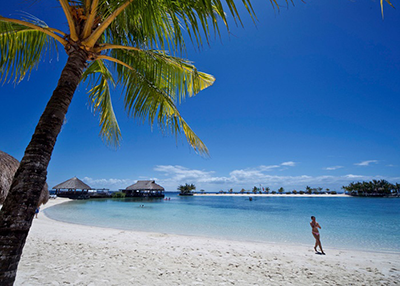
21,49
100,99
153,86
159,24
176,77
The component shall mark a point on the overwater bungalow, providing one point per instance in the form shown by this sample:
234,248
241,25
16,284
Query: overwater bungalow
73,189
100,193
147,188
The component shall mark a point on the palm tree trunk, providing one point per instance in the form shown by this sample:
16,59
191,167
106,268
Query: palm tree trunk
19,207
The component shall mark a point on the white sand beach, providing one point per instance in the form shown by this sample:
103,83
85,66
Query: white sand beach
58,253
277,195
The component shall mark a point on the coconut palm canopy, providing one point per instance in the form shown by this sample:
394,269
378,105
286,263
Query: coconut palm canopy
131,43
145,185
8,167
128,43
73,184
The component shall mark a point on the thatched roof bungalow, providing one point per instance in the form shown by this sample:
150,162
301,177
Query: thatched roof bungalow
8,167
146,188
73,189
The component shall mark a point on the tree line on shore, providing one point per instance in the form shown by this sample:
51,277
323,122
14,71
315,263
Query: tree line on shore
377,188
371,188
281,190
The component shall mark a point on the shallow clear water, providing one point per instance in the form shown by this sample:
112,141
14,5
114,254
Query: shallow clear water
354,223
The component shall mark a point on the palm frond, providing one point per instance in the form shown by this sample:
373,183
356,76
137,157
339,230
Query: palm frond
160,24
66,6
387,1
154,83
145,24
176,77
100,79
21,49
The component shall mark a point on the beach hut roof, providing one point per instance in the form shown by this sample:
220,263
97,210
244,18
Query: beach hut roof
8,167
145,185
74,184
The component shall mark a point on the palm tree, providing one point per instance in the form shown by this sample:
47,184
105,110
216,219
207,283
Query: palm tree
109,42
186,189
130,36
281,190
267,190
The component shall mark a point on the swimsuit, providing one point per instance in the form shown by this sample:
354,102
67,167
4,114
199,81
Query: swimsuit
313,225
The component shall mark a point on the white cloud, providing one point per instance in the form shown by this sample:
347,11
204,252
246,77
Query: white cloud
366,163
351,176
171,176
268,168
273,167
181,173
289,164
332,168
248,178
112,184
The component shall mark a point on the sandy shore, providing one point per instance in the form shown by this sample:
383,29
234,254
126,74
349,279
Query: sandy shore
277,195
58,253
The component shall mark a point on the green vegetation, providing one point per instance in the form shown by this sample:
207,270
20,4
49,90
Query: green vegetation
374,188
118,195
266,190
131,43
186,189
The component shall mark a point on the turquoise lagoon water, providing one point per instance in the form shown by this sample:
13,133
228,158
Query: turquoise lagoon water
371,224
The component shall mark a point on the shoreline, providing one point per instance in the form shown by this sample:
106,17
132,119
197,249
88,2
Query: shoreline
286,243
59,253
277,195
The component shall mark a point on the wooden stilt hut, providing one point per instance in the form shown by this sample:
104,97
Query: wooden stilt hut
144,189
8,167
73,189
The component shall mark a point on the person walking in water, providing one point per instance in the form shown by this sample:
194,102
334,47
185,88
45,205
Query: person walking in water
315,232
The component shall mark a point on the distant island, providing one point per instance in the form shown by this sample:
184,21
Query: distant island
266,191
374,188
186,190
337,195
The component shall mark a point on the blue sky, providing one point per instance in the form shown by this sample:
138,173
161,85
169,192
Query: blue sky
307,96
